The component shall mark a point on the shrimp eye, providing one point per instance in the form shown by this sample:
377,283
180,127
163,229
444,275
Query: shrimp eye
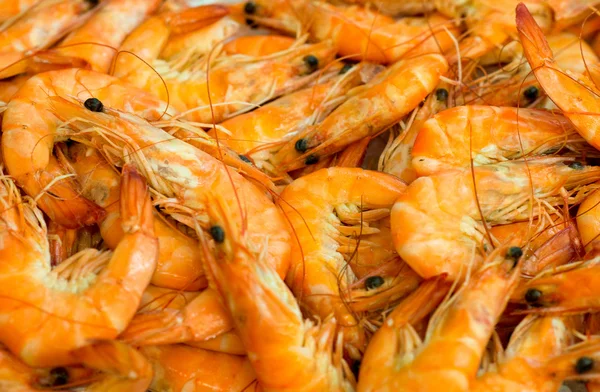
584,364
301,145
218,234
245,158
576,165
93,104
311,61
514,252
532,296
373,282
58,376
531,93
441,94
251,23
250,8
347,67
311,159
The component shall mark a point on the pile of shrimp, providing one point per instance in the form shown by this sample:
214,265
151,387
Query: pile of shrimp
299,195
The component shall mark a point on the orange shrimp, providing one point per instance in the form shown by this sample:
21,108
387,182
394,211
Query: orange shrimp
29,131
371,109
39,27
456,337
395,8
178,265
181,368
357,32
297,355
12,8
437,223
40,307
487,134
227,343
258,45
575,95
588,220
96,40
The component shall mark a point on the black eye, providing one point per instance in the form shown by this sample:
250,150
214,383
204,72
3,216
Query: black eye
250,8
531,93
301,145
441,94
514,252
584,364
532,296
373,282
576,165
93,104
217,233
311,159
245,158
58,376
312,62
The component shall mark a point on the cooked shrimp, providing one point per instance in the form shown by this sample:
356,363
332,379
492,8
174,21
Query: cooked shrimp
11,8
297,354
575,95
181,368
96,40
487,134
588,220
456,337
437,223
29,133
394,7
41,26
371,109
178,264
41,308
258,45
227,343
330,211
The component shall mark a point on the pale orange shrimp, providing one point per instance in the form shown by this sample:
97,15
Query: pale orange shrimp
484,135
370,109
437,222
259,134
39,306
330,211
96,40
29,133
41,26
297,355
181,368
258,45
178,264
575,95
456,338
357,32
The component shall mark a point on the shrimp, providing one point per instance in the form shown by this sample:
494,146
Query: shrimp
297,355
182,368
259,134
29,131
437,222
370,109
227,343
575,95
394,8
97,39
456,338
358,33
258,45
178,265
488,134
330,215
37,304
39,27
588,220
12,8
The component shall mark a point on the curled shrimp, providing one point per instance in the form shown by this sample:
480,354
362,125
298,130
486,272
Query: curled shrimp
370,109
38,304
457,335
491,134
438,223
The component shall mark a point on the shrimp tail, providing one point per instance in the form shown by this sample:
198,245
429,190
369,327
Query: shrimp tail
136,205
125,369
537,50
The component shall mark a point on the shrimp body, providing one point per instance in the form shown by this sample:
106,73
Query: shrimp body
456,337
29,131
258,45
436,223
575,95
371,109
488,134
39,307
